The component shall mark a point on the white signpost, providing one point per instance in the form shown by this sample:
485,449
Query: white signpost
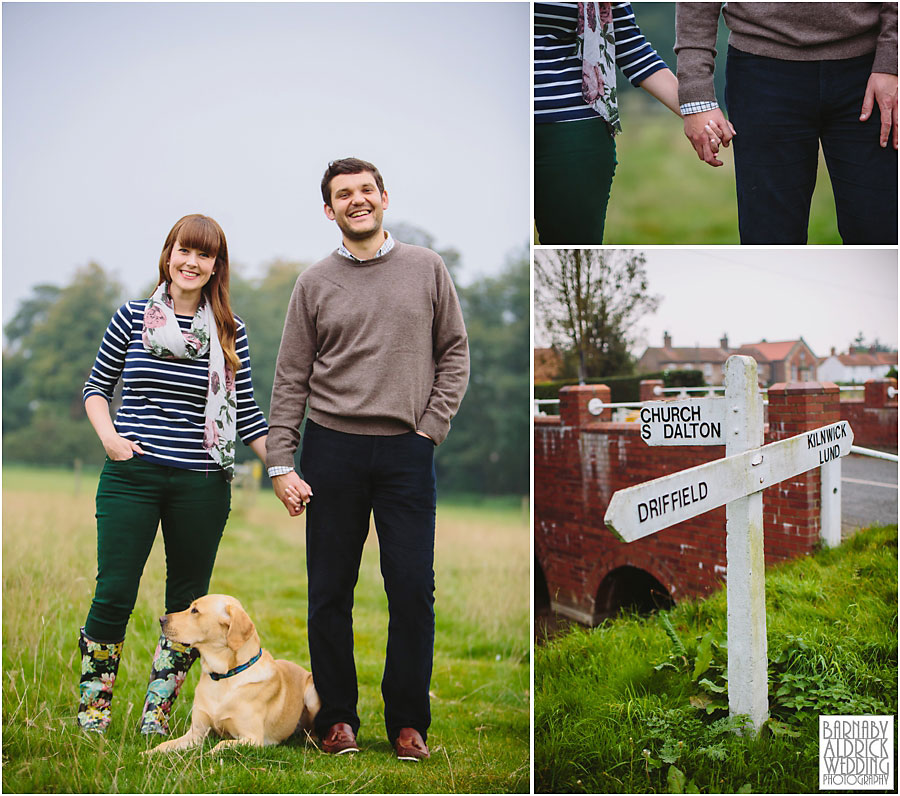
736,482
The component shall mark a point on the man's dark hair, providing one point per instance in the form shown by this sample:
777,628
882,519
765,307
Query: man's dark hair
348,166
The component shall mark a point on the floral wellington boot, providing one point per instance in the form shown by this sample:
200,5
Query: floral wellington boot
99,665
171,662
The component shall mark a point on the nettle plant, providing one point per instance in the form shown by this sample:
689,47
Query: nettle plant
806,678
707,667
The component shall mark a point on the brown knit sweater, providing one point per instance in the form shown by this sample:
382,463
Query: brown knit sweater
377,347
789,31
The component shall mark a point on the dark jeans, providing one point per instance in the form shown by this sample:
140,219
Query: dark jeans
133,497
574,164
351,476
782,110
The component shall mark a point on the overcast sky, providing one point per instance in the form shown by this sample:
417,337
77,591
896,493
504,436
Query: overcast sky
119,118
825,296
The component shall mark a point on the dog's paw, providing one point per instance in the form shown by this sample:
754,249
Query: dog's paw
163,747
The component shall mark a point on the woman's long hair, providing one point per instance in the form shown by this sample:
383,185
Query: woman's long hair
201,232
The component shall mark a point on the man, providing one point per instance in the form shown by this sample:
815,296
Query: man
798,74
375,347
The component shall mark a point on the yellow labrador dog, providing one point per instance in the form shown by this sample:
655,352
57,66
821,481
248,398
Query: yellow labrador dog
244,694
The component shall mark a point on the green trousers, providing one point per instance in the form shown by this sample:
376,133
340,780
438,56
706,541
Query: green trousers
133,498
574,164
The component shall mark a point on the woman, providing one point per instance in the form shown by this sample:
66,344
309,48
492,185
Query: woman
577,47
186,393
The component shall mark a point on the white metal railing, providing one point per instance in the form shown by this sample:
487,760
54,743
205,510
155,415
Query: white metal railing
711,391
596,406
539,402
682,392
891,457
891,391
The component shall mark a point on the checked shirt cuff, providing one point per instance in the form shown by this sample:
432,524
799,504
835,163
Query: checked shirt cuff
279,470
698,107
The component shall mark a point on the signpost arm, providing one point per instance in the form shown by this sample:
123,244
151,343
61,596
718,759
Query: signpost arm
747,648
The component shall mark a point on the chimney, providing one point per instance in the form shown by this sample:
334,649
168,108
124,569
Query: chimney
723,343
667,340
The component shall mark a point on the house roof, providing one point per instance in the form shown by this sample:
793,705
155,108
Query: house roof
688,354
868,359
770,352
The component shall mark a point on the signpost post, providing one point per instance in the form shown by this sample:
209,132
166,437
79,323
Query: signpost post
737,482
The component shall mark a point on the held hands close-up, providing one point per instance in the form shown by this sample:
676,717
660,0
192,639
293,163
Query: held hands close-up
799,76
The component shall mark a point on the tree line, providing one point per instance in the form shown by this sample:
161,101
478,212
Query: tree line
52,341
589,302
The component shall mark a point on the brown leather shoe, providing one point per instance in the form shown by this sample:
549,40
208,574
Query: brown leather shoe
339,739
410,746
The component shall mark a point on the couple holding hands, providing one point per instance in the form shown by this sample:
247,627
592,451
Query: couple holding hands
797,75
375,348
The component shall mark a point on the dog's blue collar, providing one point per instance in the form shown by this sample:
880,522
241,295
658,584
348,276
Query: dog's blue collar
237,669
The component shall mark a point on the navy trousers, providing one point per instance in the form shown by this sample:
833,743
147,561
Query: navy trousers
782,110
353,476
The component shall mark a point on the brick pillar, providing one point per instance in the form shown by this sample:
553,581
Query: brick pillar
647,388
798,407
877,393
573,404
793,508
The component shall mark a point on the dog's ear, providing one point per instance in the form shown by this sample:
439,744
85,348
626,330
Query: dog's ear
240,628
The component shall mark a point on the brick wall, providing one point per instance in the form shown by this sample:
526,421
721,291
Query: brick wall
874,418
580,460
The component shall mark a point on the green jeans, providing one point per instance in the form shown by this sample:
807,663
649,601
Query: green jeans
574,164
133,498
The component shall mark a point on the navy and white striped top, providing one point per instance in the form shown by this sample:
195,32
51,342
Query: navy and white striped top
557,65
164,400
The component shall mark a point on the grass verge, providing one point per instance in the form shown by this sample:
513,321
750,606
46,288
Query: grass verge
639,705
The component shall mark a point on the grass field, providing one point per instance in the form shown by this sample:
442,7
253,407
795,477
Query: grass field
639,705
480,689
663,195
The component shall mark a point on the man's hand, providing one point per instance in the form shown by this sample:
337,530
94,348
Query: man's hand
293,491
882,89
706,131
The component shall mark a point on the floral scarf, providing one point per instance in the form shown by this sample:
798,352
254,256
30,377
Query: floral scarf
163,338
597,44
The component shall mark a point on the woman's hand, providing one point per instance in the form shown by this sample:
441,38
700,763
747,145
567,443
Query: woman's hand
117,447
120,449
707,131
718,135
293,491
